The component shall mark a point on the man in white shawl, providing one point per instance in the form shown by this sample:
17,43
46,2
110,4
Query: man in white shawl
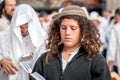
26,36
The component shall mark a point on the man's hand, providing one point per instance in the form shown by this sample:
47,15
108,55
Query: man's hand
32,54
8,66
110,65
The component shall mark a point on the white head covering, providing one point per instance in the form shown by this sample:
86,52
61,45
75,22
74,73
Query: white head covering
94,15
26,14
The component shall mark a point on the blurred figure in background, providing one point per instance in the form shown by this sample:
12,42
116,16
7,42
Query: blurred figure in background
113,52
45,24
41,19
95,18
7,8
106,14
110,23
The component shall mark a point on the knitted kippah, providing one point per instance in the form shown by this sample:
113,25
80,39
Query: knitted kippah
73,10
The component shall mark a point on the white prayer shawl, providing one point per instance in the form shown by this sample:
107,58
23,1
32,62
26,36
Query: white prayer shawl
4,23
24,14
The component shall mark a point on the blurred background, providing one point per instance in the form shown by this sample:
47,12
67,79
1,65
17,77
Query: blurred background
54,5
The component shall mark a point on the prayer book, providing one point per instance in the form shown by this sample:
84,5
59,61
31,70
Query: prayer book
26,57
23,63
25,66
35,75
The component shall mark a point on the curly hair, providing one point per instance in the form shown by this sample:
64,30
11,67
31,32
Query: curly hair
90,37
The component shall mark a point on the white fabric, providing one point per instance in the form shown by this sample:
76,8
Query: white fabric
19,47
102,37
46,26
4,23
64,62
5,49
25,14
112,46
95,16
107,33
113,53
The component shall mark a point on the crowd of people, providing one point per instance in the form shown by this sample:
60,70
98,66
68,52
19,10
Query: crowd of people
68,44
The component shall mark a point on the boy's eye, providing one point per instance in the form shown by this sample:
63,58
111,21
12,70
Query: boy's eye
73,27
63,27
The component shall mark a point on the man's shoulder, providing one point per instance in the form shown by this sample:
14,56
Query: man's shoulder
98,58
1,20
4,20
4,24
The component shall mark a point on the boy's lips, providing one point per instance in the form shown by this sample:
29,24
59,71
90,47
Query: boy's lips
68,39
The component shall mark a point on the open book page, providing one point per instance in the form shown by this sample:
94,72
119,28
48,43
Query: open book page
26,67
26,57
37,76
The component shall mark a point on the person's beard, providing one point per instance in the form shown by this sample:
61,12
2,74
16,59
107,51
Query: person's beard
9,17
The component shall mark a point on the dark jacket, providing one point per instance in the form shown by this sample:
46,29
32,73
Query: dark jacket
79,68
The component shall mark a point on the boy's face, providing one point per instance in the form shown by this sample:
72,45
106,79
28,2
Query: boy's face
70,33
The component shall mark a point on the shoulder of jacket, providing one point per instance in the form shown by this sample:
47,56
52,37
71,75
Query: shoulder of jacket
97,58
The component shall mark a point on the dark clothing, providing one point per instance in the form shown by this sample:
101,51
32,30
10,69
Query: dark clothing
79,68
